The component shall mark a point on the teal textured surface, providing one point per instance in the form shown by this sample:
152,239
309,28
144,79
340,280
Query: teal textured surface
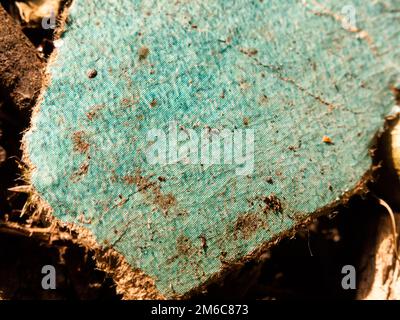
288,70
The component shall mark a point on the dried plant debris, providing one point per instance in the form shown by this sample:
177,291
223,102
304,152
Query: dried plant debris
34,13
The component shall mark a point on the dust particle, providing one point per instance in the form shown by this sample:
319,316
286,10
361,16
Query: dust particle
269,180
143,52
93,112
204,245
251,52
83,169
92,73
153,103
183,245
247,225
164,202
272,203
153,192
263,100
327,140
129,179
80,145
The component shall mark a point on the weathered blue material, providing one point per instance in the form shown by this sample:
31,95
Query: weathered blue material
289,70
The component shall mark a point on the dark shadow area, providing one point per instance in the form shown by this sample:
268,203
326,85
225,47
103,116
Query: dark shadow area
21,263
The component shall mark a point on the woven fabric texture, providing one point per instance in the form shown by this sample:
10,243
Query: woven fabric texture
285,74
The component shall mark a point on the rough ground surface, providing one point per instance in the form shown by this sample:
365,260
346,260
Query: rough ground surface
291,84
20,66
21,71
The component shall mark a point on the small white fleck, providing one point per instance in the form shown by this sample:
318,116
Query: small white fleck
395,111
58,43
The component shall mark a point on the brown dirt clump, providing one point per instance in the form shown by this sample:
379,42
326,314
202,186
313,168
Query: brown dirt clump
247,225
143,52
272,203
80,144
21,68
